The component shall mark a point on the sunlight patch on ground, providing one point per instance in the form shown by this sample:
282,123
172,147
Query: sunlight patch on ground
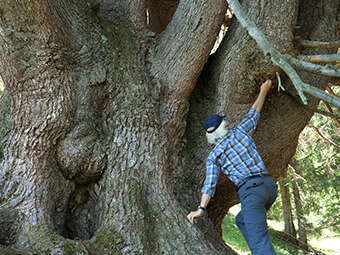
239,251
331,245
235,209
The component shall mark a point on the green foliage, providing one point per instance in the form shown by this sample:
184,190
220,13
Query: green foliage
317,173
318,164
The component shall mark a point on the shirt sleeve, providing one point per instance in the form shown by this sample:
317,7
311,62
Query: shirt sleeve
211,178
249,122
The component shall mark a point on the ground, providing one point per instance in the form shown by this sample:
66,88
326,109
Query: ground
328,242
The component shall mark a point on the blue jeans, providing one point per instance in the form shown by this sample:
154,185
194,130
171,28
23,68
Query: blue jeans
256,196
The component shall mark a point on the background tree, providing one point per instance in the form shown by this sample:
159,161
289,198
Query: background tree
300,217
103,145
289,227
317,171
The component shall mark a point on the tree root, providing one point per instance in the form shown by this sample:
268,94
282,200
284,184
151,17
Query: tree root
11,251
45,241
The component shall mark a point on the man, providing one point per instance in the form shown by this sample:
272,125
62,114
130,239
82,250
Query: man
235,155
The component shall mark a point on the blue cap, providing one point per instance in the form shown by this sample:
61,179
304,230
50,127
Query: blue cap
212,122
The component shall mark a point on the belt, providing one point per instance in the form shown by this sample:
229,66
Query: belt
251,177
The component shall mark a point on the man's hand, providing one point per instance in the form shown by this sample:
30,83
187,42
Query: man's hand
194,215
266,86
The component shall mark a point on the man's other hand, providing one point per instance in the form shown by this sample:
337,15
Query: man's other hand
194,215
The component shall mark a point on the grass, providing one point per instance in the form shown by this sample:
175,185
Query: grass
234,238
329,244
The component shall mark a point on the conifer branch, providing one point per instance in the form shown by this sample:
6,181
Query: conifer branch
326,58
330,114
324,137
329,109
328,70
286,62
329,89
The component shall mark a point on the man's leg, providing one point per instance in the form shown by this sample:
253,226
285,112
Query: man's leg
271,187
254,217
241,226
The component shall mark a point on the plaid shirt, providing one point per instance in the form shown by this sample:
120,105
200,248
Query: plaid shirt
235,155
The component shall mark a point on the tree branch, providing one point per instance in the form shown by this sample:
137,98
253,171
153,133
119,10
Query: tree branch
285,237
334,100
280,61
329,89
285,62
296,176
322,45
329,109
251,27
186,43
325,138
326,58
315,110
329,70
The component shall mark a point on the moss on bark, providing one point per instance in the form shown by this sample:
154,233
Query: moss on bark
11,251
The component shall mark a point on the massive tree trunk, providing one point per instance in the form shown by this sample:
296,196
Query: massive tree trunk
104,154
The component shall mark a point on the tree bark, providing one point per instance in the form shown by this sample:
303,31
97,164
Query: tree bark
5,118
103,146
92,107
229,84
287,208
302,234
289,227
300,217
